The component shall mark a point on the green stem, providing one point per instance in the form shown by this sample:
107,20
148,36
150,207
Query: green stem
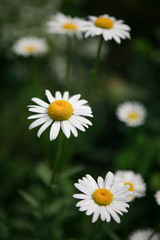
94,230
68,61
58,156
112,235
154,232
95,68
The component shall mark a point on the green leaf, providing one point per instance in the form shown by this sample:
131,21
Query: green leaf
44,173
71,171
30,199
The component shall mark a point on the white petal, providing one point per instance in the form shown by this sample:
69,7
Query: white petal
108,180
43,127
38,116
76,123
84,203
80,103
66,96
74,98
58,95
39,122
83,120
96,215
113,214
93,182
54,130
49,96
66,128
40,102
81,188
91,209
107,215
81,196
100,182
73,129
38,110
102,213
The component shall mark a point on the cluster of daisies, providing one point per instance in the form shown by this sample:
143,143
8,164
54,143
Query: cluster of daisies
107,198
103,25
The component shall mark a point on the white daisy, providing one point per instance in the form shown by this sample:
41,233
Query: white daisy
108,27
67,113
132,113
28,46
157,197
103,198
63,24
144,234
134,180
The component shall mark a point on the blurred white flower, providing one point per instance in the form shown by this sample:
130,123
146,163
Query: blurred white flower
144,234
30,46
132,113
103,198
63,24
134,180
62,112
157,197
108,27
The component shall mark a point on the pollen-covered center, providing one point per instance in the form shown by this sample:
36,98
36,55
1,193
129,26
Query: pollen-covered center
70,26
30,48
133,116
131,188
104,22
60,110
102,196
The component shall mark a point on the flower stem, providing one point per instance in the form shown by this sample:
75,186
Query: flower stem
95,68
94,230
68,61
154,232
58,156
33,73
111,233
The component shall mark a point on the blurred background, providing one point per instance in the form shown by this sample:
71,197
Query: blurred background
129,71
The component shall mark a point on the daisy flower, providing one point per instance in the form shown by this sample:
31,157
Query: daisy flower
62,112
108,27
144,234
63,24
134,180
103,198
28,46
132,113
157,197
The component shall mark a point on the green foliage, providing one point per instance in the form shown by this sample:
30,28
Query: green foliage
33,208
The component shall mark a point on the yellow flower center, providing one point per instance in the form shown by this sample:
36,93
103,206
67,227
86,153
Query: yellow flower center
104,22
70,26
133,116
60,110
102,196
131,186
30,48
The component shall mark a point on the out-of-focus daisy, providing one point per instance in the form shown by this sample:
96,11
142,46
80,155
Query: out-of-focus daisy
144,234
132,113
108,27
157,197
28,46
67,113
103,198
63,24
134,180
